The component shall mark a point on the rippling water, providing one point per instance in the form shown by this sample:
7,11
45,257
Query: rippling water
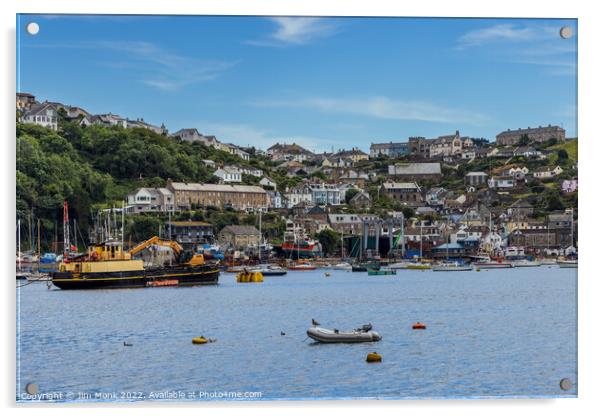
489,333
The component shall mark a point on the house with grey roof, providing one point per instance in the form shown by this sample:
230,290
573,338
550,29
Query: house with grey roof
42,114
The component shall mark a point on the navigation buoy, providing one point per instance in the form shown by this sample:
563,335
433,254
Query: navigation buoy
419,325
200,340
374,357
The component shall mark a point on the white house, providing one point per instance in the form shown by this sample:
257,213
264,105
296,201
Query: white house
547,172
294,196
265,181
150,199
44,114
501,182
325,194
228,175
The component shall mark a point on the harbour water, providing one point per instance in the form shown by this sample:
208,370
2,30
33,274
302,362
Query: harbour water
509,333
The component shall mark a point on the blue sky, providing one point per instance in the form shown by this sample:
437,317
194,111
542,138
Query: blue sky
322,82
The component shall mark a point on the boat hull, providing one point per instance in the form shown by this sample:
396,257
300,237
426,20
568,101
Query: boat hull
452,268
164,276
331,337
494,265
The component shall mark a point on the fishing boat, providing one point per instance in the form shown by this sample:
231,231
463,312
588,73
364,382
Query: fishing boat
330,336
483,261
567,264
452,266
269,270
381,272
296,243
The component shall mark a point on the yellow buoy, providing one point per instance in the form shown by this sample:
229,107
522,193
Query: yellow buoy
249,277
374,357
200,340
478,270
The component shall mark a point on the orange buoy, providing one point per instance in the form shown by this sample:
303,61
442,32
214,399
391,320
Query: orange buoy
374,357
419,325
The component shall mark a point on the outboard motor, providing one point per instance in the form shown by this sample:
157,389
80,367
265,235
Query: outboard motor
365,328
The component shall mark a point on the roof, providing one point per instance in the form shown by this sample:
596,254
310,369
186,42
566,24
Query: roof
401,185
39,107
344,218
210,187
451,246
240,230
528,130
415,169
476,174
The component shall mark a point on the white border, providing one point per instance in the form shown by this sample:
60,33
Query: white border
590,347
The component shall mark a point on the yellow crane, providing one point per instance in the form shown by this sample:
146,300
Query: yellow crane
195,260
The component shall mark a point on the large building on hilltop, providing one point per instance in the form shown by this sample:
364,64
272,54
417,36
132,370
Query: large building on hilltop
538,134
390,149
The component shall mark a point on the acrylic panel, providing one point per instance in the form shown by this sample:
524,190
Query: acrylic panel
266,208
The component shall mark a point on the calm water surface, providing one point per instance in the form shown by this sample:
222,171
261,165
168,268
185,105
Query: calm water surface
489,333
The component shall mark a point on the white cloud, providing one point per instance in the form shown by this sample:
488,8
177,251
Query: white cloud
501,32
153,65
297,31
528,43
381,107
169,71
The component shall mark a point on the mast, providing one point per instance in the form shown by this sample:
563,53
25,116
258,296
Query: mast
260,238
75,231
66,243
122,226
39,249
421,240
19,243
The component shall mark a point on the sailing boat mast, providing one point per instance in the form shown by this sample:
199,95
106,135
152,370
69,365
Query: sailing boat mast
19,243
66,243
260,238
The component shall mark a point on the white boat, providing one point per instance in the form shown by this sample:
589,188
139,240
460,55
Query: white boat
330,336
342,266
269,270
567,264
526,263
452,267
37,277
399,265
548,262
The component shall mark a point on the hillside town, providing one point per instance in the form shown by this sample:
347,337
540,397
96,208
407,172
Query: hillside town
450,195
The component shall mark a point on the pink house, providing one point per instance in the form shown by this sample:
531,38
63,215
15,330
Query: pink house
569,186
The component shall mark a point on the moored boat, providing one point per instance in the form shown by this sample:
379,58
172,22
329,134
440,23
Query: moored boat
302,267
342,266
526,263
452,267
418,266
269,270
567,264
381,272
108,266
329,336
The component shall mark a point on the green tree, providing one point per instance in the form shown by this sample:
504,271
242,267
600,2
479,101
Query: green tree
351,192
330,241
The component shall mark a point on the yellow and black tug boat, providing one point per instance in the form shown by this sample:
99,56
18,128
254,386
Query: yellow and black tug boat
108,266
